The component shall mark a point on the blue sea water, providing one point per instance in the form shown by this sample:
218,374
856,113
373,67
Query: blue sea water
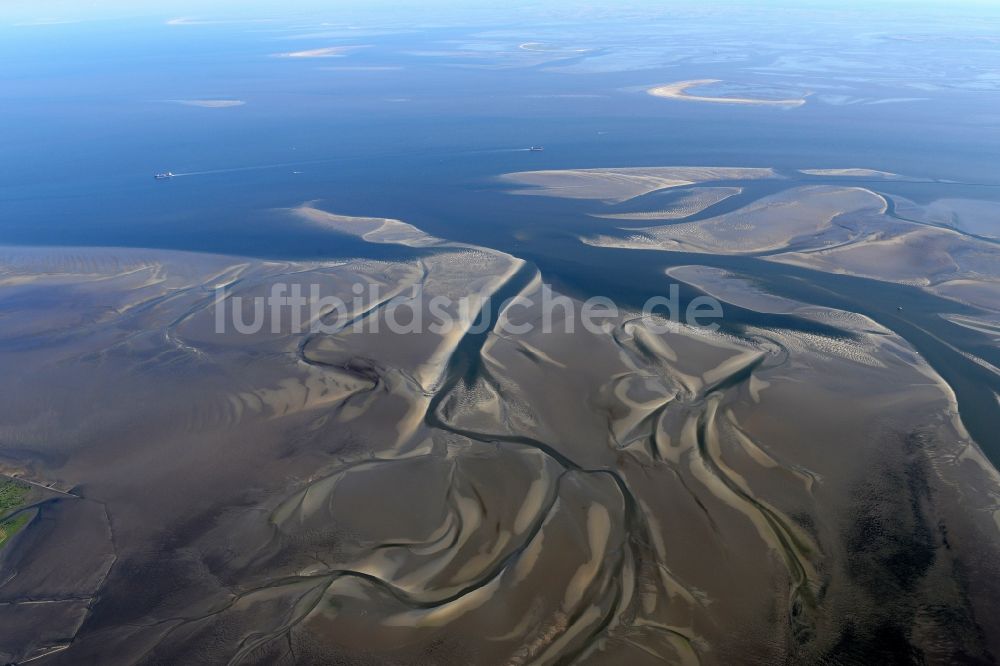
418,123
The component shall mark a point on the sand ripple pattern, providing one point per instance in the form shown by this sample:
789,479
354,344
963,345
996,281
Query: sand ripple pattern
636,495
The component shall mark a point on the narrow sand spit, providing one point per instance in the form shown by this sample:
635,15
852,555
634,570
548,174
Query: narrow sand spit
209,103
325,52
690,203
851,173
616,185
679,91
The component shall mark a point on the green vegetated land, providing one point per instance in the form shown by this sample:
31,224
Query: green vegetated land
12,494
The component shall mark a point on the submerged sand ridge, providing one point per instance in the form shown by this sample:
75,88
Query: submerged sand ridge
477,497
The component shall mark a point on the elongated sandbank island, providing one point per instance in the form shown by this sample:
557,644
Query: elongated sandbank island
679,90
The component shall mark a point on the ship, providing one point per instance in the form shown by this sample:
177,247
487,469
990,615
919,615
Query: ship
536,149
163,176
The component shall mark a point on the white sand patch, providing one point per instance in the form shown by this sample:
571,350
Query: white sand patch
851,173
325,52
616,185
209,103
679,91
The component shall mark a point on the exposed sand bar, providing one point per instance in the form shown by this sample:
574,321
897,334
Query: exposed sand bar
679,91
851,173
616,185
209,103
772,223
325,52
371,229
547,48
689,204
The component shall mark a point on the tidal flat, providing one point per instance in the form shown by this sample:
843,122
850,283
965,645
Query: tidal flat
475,495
